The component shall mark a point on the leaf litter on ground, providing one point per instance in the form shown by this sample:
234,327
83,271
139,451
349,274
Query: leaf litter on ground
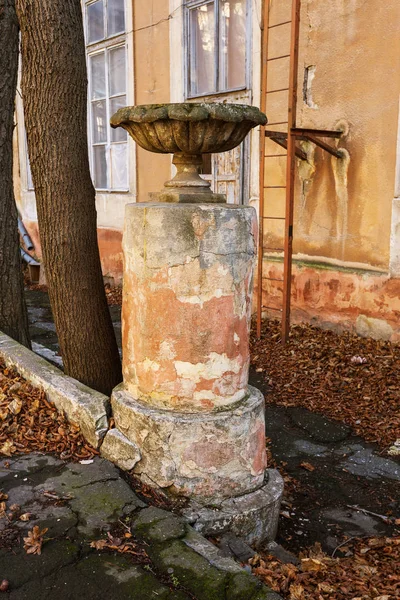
30,423
369,571
347,378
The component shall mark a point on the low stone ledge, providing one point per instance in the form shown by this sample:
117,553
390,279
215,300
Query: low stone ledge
190,560
82,405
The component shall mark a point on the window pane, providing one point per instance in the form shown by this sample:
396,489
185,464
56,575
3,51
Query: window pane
202,49
116,71
97,76
100,167
119,134
99,122
119,167
115,17
232,44
95,21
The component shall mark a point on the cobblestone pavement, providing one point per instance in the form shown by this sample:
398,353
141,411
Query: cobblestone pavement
80,503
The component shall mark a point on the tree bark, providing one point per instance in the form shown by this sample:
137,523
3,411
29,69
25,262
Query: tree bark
54,89
13,315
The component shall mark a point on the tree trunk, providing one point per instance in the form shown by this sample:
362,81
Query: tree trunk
13,315
54,88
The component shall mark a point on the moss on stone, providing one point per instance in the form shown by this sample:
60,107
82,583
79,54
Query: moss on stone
158,526
190,570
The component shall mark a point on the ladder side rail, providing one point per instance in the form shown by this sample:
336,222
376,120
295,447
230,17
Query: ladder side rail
291,166
263,105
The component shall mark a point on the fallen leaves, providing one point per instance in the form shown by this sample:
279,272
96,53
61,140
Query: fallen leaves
361,576
34,541
307,466
351,379
122,544
113,295
29,423
312,564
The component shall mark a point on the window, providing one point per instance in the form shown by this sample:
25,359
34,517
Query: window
106,49
216,37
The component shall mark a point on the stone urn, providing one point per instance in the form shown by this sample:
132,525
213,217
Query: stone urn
187,131
186,420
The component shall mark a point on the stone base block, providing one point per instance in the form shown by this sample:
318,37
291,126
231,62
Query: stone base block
253,516
119,450
206,456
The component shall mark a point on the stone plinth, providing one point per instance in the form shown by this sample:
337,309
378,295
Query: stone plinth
209,456
188,279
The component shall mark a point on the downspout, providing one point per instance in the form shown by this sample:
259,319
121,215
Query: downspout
25,235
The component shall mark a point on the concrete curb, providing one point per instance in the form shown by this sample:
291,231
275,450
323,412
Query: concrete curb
85,407
191,560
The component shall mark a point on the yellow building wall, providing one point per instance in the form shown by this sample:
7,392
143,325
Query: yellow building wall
343,207
152,84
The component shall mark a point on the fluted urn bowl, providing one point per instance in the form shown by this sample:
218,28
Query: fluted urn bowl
188,130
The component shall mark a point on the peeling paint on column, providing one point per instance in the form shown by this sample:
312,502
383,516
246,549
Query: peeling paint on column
187,301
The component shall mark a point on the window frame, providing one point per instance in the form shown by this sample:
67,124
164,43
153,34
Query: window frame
104,46
190,4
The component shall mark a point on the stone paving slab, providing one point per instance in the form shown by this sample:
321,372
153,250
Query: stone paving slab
81,502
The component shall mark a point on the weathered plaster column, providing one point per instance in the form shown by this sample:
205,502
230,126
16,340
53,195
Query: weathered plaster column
186,419
187,300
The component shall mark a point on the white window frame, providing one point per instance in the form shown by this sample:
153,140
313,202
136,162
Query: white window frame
190,4
105,45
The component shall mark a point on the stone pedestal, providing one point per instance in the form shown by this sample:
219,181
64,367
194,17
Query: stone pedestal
185,403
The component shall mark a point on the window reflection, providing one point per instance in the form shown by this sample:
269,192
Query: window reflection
217,46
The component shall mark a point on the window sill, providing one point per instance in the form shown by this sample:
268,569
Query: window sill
218,94
102,191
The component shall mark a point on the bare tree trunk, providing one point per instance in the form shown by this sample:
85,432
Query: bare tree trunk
13,315
54,88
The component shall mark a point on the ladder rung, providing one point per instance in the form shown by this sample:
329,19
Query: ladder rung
280,218
278,57
274,249
273,279
273,155
279,24
274,187
280,123
275,91
272,308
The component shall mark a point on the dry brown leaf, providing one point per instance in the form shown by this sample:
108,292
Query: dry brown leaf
34,540
25,517
307,466
15,406
99,544
312,564
324,587
296,592
7,448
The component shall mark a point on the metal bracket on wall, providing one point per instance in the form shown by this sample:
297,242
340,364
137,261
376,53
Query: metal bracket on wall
306,135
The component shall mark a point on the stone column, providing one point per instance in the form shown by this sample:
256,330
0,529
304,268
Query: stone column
185,403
